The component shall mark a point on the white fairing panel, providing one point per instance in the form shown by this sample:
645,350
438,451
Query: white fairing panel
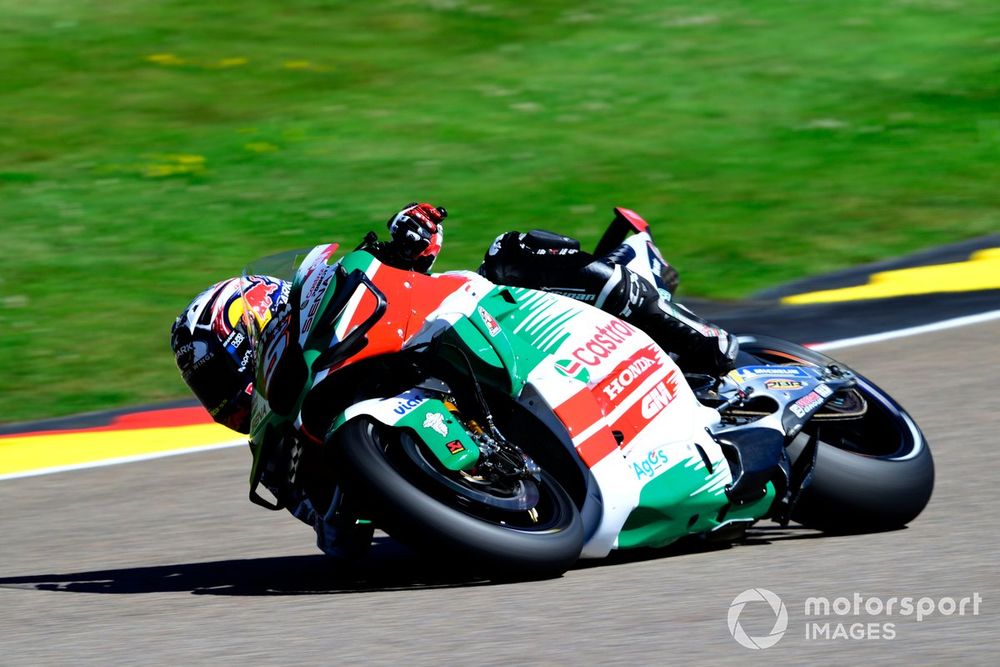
621,386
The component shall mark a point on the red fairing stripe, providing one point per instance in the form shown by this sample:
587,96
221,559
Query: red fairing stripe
595,448
410,297
579,413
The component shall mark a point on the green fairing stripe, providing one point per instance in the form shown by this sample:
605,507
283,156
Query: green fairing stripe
358,259
542,319
669,509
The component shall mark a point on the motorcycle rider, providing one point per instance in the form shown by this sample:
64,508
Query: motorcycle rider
213,352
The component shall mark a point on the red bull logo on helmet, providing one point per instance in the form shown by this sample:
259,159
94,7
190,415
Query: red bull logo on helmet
257,300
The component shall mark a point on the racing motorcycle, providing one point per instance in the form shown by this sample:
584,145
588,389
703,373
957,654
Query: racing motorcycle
513,431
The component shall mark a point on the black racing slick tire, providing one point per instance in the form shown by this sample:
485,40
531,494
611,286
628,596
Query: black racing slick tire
408,503
874,473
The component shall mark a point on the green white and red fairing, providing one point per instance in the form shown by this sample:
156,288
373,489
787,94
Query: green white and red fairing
623,402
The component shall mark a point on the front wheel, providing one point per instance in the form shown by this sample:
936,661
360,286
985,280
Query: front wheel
527,529
872,473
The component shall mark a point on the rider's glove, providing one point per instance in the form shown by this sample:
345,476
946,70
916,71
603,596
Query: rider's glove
417,233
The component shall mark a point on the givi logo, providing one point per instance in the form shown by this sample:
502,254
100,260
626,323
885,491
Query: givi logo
660,397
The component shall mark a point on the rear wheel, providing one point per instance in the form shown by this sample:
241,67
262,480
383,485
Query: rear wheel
520,527
874,471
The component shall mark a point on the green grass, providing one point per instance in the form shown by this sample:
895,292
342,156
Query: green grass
148,148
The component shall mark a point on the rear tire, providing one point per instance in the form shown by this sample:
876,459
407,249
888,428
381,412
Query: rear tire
405,501
875,473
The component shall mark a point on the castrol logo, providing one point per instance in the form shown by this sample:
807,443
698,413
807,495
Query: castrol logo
603,343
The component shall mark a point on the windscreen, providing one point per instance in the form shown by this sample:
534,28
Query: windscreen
264,286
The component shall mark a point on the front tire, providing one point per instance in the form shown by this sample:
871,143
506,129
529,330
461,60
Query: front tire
875,473
411,505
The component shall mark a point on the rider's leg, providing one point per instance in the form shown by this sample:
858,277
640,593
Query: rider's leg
554,263
699,345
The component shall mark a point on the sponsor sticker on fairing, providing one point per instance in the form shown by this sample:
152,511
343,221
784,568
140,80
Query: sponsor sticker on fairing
435,422
491,323
648,466
605,341
660,397
405,405
754,372
313,298
636,369
783,385
572,369
806,404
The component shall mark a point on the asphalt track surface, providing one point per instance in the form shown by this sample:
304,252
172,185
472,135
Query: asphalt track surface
165,562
